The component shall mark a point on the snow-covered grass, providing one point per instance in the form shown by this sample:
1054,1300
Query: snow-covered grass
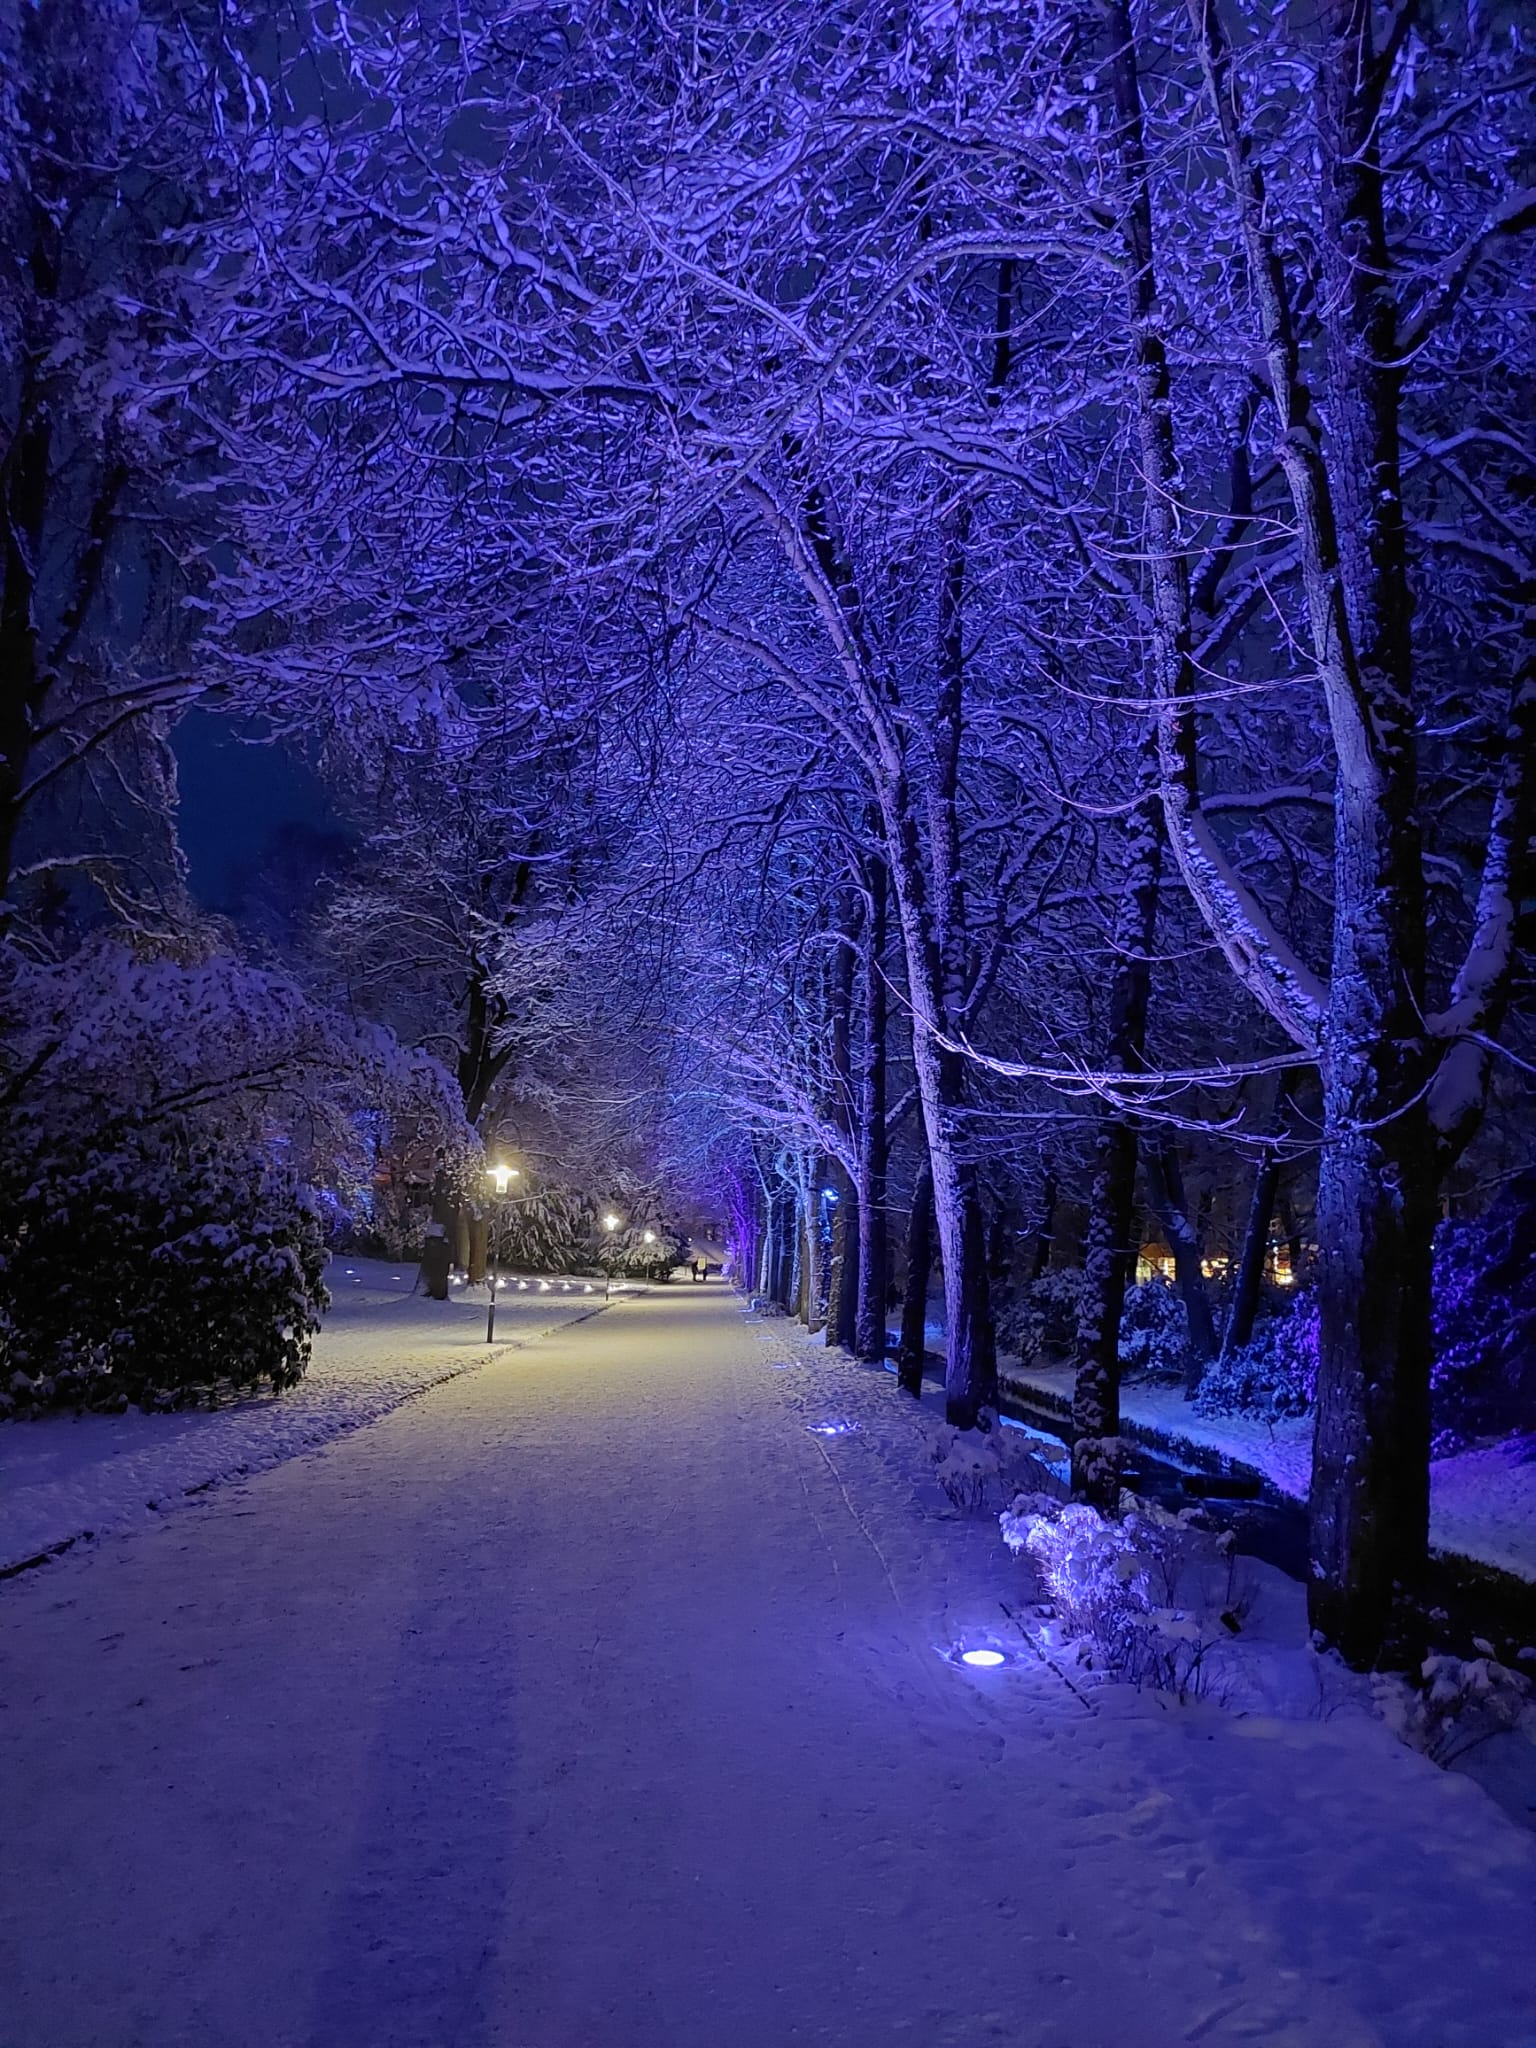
1483,1505
63,1478
1482,1502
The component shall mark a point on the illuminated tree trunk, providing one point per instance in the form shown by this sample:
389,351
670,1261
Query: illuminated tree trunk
843,1260
874,1264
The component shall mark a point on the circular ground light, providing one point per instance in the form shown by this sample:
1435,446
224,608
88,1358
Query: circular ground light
982,1659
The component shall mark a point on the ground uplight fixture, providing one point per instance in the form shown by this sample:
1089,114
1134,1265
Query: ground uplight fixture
982,1660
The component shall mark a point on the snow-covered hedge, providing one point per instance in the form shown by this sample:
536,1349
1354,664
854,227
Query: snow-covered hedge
144,1271
1274,1375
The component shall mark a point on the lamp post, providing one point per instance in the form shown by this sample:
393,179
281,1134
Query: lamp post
502,1177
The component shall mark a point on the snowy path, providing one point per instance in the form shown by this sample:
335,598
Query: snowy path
64,1477
590,1701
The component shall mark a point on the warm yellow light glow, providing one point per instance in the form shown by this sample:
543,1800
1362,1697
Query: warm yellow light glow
501,1175
612,1222
650,1237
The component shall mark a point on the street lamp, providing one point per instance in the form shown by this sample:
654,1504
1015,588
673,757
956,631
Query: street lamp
612,1222
650,1237
502,1176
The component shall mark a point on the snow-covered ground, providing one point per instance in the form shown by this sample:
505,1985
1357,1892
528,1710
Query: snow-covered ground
603,1698
1482,1503
63,1477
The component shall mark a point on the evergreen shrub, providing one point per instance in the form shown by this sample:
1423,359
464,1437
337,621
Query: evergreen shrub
1272,1376
142,1270
1154,1332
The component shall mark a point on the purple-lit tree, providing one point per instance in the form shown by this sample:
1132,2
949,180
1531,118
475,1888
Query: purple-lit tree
103,125
943,390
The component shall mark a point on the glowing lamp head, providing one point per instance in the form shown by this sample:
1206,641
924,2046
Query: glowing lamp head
611,1222
982,1660
503,1176
650,1237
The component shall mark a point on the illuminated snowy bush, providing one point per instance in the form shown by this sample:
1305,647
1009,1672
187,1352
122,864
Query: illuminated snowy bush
1089,1567
1145,1597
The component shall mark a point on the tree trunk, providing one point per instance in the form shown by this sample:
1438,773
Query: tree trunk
1370,1458
932,928
843,1262
1290,1223
786,1249
1109,1249
1250,1271
1370,1469
810,1295
479,1249
22,662
914,1300
1108,1259
874,1263
1042,1236
1165,1187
